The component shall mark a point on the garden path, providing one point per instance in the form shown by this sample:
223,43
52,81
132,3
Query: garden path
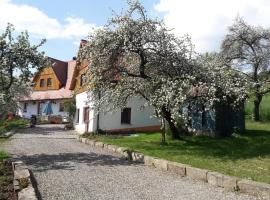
67,169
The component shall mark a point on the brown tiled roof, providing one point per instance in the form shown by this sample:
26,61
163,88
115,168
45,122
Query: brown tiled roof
60,69
48,95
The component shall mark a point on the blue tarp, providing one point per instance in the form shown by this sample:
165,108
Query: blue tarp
48,109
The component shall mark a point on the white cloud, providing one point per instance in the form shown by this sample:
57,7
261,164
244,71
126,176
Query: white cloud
207,20
25,17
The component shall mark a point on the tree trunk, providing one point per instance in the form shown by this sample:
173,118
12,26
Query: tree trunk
163,132
256,109
174,130
258,96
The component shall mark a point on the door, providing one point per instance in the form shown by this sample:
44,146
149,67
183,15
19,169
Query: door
86,118
39,108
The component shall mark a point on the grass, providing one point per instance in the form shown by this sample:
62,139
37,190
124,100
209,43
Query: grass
246,156
6,176
264,108
3,154
6,126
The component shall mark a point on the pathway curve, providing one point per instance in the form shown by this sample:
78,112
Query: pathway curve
69,170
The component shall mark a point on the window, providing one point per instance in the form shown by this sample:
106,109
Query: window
204,121
126,116
77,116
42,83
61,107
25,107
83,79
39,108
86,114
49,82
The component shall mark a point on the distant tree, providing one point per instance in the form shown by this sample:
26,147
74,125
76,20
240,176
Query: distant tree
134,55
70,108
18,60
248,48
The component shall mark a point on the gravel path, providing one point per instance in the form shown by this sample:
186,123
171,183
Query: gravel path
69,170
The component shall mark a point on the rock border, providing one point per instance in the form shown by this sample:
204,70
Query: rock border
261,190
8,134
22,181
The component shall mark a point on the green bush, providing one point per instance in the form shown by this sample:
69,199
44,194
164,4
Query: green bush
6,125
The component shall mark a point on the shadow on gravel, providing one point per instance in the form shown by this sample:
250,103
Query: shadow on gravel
68,161
35,185
43,129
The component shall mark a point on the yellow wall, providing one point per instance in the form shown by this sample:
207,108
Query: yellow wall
46,73
82,69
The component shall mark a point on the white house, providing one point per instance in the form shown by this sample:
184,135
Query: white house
51,84
130,118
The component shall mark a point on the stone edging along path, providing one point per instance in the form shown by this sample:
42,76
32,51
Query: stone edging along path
22,181
261,190
8,134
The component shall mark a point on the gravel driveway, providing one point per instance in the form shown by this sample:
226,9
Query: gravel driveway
66,169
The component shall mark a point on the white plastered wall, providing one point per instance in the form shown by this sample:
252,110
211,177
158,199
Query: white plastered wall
140,117
32,109
111,121
81,103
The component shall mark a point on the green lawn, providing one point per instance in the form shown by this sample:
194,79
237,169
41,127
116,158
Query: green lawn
245,156
3,155
264,108
6,177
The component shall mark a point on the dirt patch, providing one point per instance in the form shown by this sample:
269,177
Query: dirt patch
6,183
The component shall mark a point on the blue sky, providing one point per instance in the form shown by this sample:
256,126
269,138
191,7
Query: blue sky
64,22
94,12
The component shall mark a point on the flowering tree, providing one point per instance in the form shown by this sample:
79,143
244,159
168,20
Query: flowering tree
18,59
134,55
248,47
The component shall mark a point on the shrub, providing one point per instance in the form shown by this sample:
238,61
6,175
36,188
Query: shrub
69,126
6,126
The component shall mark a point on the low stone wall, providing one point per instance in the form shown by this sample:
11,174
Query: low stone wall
22,181
261,190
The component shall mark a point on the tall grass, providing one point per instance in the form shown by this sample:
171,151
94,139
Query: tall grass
264,108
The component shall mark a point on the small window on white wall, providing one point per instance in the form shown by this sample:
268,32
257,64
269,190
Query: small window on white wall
126,116
61,107
25,105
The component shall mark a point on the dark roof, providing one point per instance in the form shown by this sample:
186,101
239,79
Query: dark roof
60,69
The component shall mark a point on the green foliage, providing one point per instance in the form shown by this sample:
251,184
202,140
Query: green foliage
20,57
6,125
245,156
95,134
70,107
264,108
3,155
180,125
137,56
